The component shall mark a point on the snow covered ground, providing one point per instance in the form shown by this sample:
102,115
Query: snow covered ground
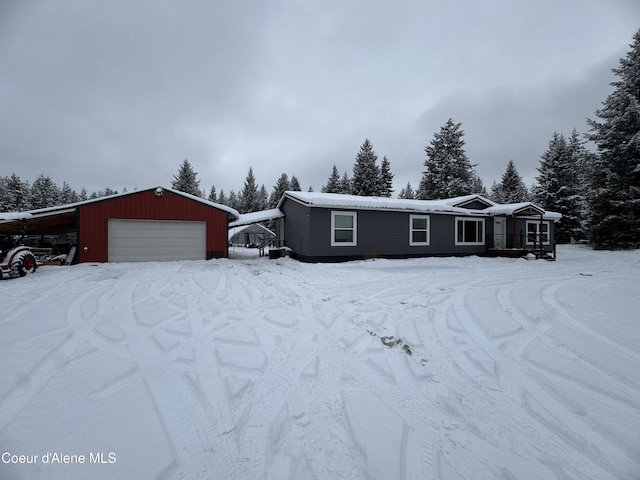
250,368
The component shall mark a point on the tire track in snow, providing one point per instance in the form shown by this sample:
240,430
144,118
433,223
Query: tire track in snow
38,377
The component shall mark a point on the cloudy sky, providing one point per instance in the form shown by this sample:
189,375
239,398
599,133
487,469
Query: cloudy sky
117,94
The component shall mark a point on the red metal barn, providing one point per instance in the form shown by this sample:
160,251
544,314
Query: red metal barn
154,224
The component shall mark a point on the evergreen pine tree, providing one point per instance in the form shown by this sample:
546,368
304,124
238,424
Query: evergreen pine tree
233,201
67,194
449,173
477,186
17,194
497,195
213,197
615,184
574,207
333,183
366,174
263,198
548,182
4,197
346,185
385,189
559,186
279,188
82,196
407,192
186,180
511,188
249,199
222,199
295,184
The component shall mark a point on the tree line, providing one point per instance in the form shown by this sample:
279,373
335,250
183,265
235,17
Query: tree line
597,193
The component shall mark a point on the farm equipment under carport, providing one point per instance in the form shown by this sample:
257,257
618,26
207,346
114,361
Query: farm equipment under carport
18,262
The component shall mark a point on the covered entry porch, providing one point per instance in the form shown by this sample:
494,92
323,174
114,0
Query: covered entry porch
521,230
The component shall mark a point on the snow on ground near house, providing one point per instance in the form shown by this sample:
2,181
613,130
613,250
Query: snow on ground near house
250,368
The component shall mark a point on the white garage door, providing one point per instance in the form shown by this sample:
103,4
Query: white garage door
152,240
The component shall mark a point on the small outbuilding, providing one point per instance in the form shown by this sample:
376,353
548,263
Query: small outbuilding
254,235
144,225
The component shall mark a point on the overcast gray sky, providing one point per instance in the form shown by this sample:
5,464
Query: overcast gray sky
117,94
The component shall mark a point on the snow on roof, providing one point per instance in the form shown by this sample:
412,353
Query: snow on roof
448,205
511,208
57,209
338,200
236,230
457,201
255,217
9,216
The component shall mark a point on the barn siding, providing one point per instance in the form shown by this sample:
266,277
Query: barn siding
145,205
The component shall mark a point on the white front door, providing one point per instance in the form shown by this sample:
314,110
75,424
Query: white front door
500,232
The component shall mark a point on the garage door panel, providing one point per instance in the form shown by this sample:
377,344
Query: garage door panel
156,240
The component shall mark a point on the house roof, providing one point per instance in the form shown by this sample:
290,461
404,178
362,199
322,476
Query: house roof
62,217
467,199
338,200
522,209
453,205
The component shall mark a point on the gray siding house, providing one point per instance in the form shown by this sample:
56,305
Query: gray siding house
327,227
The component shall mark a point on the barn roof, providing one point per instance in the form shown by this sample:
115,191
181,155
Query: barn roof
62,218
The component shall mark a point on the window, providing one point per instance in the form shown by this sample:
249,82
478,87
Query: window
469,231
344,229
533,232
418,230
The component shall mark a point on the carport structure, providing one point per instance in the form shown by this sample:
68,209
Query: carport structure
144,225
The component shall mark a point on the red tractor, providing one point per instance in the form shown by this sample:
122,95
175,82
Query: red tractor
17,262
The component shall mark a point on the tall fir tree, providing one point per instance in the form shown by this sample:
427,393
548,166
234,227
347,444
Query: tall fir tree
17,194
615,183
511,188
67,194
333,183
213,196
295,184
222,199
346,185
263,198
407,192
233,201
366,174
4,197
281,186
249,199
574,207
477,186
186,180
385,188
559,187
449,172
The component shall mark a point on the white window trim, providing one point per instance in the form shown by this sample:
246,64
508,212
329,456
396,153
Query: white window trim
537,224
355,229
411,242
469,219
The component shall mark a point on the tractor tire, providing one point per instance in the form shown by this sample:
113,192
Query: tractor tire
22,264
